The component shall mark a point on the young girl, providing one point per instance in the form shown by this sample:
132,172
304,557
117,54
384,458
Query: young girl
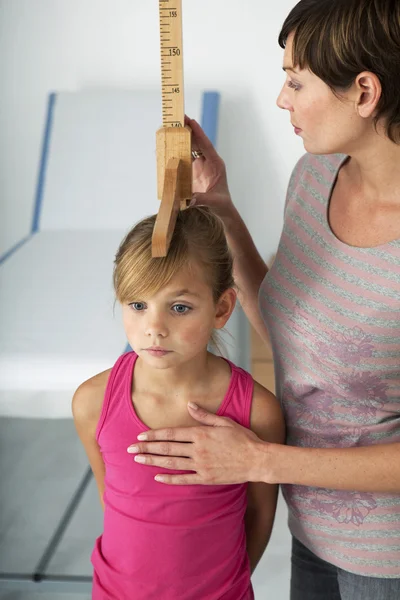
186,542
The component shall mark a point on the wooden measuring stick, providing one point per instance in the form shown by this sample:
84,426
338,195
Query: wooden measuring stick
173,140
171,39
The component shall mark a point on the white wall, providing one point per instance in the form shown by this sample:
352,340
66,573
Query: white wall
58,45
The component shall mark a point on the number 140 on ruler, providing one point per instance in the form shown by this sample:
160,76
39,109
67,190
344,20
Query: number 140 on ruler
173,105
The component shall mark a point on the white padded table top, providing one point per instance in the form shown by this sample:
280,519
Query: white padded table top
57,317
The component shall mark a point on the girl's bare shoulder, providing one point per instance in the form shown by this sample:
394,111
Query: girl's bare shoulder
88,399
266,415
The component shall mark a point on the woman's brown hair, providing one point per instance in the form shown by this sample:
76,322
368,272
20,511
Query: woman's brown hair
339,39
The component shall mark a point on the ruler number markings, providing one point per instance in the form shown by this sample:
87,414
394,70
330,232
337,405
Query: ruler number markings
171,62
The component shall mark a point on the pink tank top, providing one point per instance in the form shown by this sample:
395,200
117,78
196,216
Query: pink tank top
165,542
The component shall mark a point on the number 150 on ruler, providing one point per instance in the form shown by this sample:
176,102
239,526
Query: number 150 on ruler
173,104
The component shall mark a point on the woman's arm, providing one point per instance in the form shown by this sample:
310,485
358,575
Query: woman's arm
362,469
266,422
249,269
224,453
210,188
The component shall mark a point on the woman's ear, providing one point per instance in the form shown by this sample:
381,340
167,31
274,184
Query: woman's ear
369,90
224,308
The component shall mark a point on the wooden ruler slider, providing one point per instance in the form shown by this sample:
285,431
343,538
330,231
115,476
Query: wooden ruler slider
173,140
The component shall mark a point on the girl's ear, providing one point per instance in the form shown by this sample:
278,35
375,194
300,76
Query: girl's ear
224,308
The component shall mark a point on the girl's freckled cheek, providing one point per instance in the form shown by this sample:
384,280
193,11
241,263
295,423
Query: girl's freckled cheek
193,336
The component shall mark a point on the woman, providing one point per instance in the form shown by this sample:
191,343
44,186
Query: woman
331,303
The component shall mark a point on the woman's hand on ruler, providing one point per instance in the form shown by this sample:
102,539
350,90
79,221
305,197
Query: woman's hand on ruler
210,185
218,452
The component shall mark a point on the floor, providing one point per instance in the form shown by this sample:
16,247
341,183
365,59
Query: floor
45,480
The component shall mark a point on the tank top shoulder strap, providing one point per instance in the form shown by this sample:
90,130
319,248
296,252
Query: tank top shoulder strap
114,395
238,401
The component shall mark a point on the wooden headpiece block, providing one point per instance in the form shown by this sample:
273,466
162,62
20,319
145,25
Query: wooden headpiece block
175,142
174,182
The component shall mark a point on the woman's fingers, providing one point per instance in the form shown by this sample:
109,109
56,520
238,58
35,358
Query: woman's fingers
177,441
201,142
171,434
179,479
165,462
161,448
173,443
209,171
222,453
208,418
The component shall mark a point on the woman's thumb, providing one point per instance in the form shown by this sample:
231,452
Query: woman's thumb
197,199
207,418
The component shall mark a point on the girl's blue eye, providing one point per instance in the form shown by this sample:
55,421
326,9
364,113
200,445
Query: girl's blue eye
294,86
137,306
181,309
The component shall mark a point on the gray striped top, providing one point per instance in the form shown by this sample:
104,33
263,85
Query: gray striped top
333,312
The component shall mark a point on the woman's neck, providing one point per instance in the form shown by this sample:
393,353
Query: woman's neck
374,169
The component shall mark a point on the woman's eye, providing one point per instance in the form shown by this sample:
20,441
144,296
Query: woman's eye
294,86
137,306
181,309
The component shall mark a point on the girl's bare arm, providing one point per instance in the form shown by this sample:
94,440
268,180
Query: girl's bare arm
268,424
86,409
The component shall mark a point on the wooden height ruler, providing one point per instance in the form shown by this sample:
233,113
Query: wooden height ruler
174,139
173,105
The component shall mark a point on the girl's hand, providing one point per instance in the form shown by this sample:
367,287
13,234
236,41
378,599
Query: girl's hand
210,186
222,452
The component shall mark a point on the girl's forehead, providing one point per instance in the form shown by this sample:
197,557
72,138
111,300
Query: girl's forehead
189,281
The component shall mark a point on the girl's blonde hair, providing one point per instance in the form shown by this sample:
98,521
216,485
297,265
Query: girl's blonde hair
198,240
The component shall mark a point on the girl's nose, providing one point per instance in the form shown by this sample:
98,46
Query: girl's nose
155,327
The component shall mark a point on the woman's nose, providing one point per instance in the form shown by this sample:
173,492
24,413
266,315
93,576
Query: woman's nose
283,100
